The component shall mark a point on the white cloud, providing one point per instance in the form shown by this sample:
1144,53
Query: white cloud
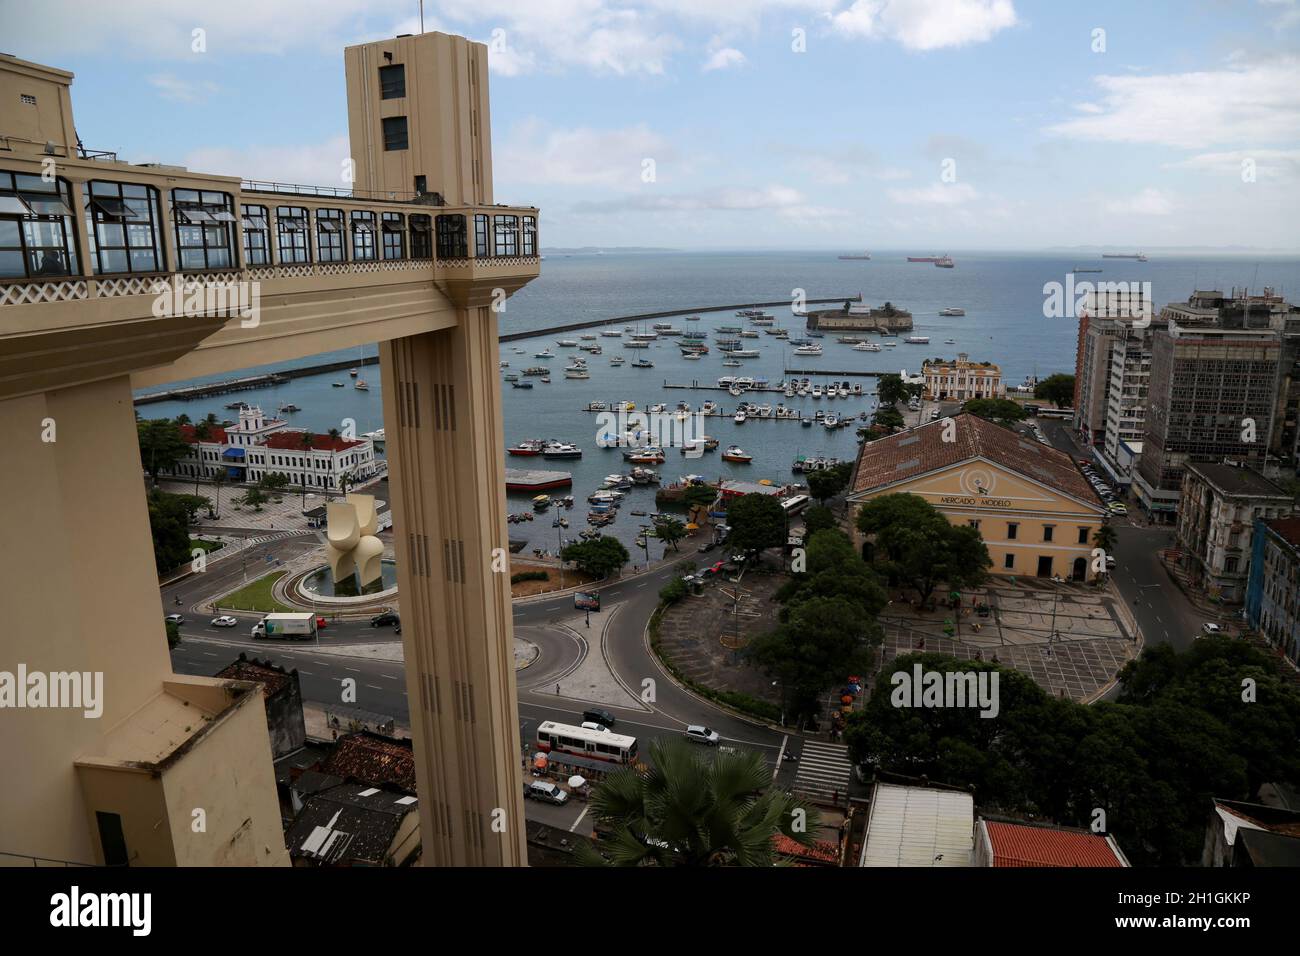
1256,103
724,59
1267,163
926,24
172,87
312,164
937,194
536,154
1288,15
1149,202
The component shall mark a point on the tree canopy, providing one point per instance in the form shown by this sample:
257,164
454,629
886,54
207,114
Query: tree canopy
1057,389
161,445
757,522
917,545
599,556
1000,410
829,482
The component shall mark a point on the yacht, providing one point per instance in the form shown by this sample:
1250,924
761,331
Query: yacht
616,360
560,449
643,363
813,349
529,448
611,333
952,311
353,372
576,371
544,353
567,343
917,340
866,347
737,454
740,417
361,385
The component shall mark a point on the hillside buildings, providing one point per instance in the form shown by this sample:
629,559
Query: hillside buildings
1217,510
1273,589
1033,508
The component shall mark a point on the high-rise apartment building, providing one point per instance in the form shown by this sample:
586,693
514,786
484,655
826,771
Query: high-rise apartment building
1106,313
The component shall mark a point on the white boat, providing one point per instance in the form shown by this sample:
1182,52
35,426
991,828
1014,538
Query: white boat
866,347
692,356
813,349
952,311
742,353
816,391
361,385
917,340
544,353
576,372
636,344
611,333
567,343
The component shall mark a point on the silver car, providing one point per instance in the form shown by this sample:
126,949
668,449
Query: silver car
702,735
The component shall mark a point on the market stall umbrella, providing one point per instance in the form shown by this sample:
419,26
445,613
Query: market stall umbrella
539,762
692,526
576,782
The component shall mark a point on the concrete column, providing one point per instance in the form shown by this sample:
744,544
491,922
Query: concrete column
442,415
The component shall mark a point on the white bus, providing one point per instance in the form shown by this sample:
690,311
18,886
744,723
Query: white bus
593,744
794,505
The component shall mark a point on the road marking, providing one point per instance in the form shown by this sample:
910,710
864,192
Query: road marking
307,673
374,687
779,757
352,669
321,663
209,654
389,677
643,584
579,820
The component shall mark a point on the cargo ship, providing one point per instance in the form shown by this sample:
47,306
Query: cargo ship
863,257
1140,257
924,258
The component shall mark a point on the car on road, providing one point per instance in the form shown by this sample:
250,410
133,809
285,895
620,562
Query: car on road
175,619
597,716
386,617
1212,629
548,792
224,621
321,622
702,735
706,547
714,569
1110,561
593,725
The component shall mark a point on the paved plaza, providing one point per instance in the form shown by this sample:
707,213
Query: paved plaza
1071,639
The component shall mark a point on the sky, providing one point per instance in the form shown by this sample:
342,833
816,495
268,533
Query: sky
734,124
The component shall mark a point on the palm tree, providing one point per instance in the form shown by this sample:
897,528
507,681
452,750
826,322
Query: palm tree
1105,538
308,441
218,479
690,808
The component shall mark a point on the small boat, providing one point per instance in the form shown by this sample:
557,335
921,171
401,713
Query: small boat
643,363
524,384
567,343
335,384
917,340
587,338
692,318
512,377
559,449
866,347
959,311
361,385
740,417
236,405
596,407
737,454
616,360
541,502
576,371
649,455
806,422
949,341
611,333
351,371
731,363
545,380
544,353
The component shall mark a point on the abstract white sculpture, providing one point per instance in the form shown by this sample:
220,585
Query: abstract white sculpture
353,548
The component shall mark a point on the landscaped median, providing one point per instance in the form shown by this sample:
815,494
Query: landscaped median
258,595
733,699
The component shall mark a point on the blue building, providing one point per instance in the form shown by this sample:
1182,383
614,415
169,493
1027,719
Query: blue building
1273,589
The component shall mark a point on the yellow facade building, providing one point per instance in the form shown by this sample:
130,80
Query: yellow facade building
1033,508
963,380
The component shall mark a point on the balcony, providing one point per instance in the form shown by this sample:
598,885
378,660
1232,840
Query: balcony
484,253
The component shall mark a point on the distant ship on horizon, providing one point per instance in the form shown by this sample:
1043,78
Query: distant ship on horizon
924,258
1139,256
864,256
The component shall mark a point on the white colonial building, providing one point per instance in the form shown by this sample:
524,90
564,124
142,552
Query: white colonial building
258,446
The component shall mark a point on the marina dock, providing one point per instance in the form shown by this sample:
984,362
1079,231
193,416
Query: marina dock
249,382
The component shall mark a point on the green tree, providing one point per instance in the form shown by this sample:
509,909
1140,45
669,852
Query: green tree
273,482
598,556
253,498
817,518
1000,410
673,591
833,568
173,634
757,522
891,390
308,443
670,530
921,547
699,496
689,808
1057,389
170,517
888,417
1105,538
829,482
161,446
218,480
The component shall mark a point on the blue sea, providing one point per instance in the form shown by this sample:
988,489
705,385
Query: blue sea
1002,294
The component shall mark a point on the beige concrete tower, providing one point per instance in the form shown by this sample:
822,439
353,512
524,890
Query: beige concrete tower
84,323
418,120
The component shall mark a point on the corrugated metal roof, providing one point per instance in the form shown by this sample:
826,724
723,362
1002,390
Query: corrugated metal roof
917,826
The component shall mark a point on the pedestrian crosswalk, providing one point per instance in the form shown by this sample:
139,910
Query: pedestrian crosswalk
276,536
824,770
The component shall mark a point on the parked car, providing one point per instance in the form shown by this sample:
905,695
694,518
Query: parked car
1211,629
597,716
224,621
702,735
175,619
548,792
386,617
707,547
593,725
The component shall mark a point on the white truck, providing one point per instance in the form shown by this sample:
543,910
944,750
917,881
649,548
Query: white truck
299,626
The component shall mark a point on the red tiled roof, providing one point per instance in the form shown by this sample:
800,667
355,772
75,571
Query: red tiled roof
370,758
293,442
921,450
216,435
263,672
1017,845
1288,529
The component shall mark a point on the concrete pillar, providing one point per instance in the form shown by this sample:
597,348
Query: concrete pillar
442,415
